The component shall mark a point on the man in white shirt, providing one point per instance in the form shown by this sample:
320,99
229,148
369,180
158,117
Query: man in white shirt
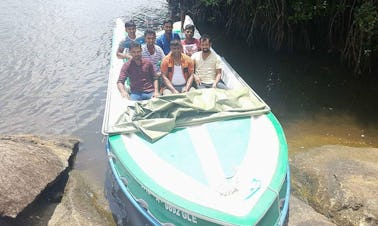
207,66
177,70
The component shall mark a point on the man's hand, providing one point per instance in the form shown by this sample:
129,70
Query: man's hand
175,91
158,75
197,80
156,94
125,95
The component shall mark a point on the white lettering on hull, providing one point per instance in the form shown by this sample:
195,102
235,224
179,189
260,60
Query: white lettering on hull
184,215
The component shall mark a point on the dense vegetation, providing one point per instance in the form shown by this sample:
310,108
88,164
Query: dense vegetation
346,27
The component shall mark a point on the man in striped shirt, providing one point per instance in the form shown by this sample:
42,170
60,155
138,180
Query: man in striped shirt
151,51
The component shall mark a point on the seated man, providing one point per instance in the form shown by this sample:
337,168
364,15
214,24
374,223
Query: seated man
208,68
190,44
164,39
151,51
143,83
123,48
177,70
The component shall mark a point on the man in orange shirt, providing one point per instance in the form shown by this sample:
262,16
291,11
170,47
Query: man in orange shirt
177,70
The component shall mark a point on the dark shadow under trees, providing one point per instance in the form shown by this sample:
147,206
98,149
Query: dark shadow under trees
348,28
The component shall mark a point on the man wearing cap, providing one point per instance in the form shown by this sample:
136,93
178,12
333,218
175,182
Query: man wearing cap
123,48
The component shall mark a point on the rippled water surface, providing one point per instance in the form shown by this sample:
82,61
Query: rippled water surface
54,65
55,57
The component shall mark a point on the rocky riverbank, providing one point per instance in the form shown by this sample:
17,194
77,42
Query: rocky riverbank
331,185
339,182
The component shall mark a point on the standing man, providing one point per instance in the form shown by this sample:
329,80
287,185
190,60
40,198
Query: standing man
164,40
143,83
151,51
208,66
123,48
177,70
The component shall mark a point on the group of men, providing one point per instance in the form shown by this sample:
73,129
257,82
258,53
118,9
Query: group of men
177,62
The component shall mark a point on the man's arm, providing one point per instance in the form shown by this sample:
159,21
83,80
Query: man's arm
188,83
168,83
122,90
155,80
120,51
122,55
217,77
195,75
121,82
156,88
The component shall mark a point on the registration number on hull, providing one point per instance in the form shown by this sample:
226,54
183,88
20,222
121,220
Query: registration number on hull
184,215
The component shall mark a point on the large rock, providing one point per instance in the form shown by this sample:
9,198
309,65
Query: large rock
29,164
302,214
81,205
339,182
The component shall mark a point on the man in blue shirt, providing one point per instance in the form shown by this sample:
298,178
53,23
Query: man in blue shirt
164,40
123,48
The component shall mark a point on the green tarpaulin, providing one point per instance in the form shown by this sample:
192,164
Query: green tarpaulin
157,117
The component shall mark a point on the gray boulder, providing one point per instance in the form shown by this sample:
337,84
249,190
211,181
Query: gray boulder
339,182
29,164
302,214
82,204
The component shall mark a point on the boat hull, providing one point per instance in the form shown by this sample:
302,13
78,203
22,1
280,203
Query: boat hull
271,207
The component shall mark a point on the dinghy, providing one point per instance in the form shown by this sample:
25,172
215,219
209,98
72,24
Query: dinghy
207,157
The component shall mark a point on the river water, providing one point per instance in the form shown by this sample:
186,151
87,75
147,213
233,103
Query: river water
55,59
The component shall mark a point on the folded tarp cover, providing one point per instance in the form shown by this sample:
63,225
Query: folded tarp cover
156,117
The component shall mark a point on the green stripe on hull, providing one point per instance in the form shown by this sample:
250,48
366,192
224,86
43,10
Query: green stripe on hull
232,145
177,149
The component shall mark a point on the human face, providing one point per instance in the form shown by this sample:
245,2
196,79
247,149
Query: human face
136,53
150,39
189,34
131,31
176,51
205,46
167,27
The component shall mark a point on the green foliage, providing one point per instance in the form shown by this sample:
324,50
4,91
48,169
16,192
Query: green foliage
210,2
302,11
366,17
349,27
306,10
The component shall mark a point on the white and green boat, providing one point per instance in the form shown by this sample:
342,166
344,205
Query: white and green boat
208,157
